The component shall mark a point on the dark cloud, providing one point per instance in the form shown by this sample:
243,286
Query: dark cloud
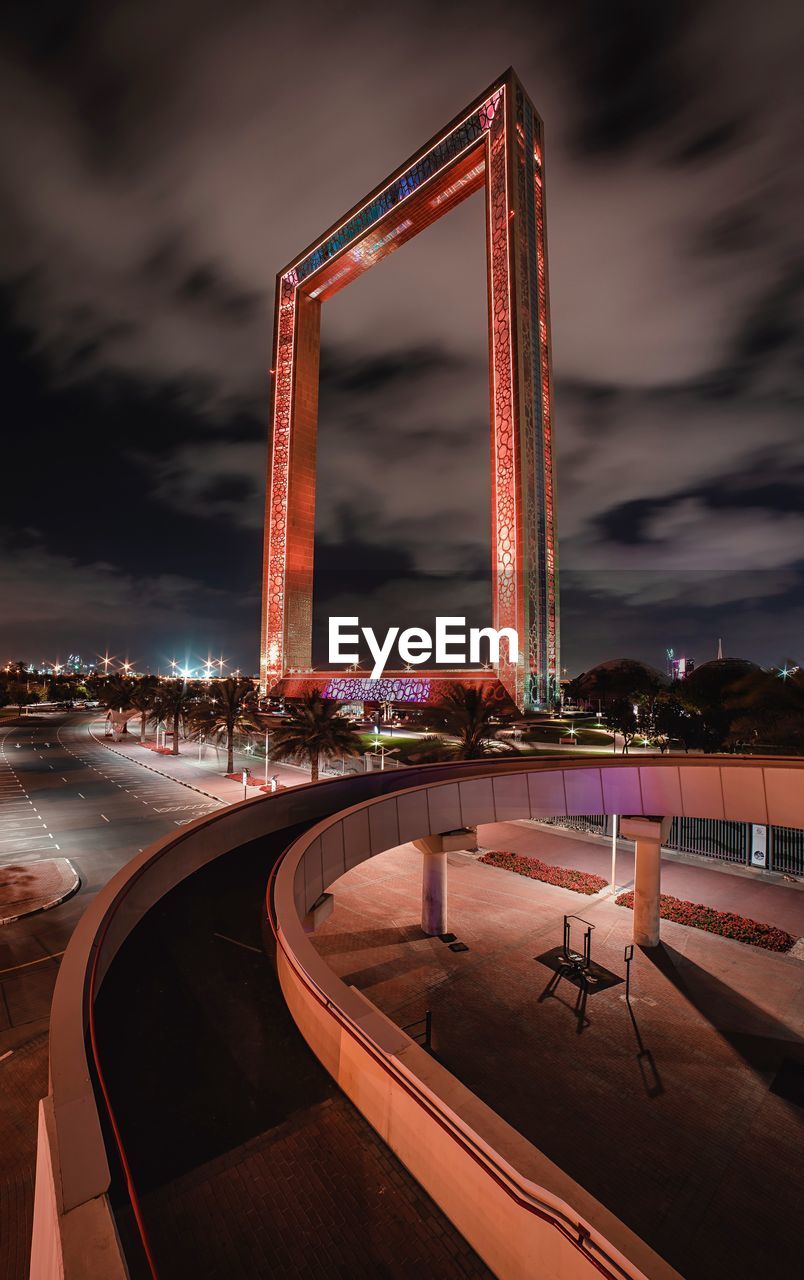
628,68
710,141
205,286
160,162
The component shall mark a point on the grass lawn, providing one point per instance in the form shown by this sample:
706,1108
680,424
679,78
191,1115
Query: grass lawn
402,744
585,735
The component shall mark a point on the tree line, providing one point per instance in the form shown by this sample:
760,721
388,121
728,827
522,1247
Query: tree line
726,705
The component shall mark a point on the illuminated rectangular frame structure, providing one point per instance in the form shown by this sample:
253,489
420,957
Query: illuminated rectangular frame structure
496,143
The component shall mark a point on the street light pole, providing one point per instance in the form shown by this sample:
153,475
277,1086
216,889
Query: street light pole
614,821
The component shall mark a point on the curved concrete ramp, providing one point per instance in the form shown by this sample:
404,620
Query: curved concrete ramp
118,963
247,1158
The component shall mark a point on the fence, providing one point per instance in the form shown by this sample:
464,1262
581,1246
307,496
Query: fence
595,824
787,850
712,838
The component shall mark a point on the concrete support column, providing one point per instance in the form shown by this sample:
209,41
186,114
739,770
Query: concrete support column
434,892
648,834
647,886
434,851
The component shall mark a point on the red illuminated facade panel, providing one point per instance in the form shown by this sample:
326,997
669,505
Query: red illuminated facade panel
495,144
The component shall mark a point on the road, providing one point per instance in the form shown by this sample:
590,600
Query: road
64,794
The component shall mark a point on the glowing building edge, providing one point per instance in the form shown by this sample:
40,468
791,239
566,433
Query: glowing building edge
496,143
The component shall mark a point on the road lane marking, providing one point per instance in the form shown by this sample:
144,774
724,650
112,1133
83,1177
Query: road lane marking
27,964
19,840
236,943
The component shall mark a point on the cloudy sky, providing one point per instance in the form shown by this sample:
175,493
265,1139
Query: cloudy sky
161,161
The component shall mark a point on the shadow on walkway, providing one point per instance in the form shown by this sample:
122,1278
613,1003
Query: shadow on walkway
761,1040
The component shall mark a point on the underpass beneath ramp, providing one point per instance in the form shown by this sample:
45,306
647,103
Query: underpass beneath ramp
247,1158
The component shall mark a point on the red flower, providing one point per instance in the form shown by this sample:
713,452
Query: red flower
534,869
725,923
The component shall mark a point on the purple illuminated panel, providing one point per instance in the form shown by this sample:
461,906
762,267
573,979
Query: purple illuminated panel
361,689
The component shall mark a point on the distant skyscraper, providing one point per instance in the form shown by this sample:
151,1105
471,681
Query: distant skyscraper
679,668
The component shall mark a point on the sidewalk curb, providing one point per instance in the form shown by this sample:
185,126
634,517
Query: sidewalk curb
125,756
69,893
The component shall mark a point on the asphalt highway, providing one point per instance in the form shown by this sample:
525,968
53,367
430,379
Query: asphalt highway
63,794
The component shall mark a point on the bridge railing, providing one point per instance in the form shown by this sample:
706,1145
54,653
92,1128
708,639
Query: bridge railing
74,1231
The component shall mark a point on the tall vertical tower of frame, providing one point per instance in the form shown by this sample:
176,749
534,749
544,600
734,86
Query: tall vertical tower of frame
497,144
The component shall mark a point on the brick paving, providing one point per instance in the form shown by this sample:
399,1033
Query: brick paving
319,1196
23,1081
685,1141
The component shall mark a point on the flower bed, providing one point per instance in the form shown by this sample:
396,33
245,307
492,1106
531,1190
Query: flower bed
725,923
253,780
563,877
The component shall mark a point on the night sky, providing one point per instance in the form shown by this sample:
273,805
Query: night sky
160,163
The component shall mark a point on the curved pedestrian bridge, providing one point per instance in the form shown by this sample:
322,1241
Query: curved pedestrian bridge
185,1110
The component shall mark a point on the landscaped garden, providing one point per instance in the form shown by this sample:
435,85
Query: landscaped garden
401,744
534,869
725,923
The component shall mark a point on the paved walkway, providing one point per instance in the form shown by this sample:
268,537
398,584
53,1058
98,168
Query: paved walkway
713,883
318,1196
207,773
684,1119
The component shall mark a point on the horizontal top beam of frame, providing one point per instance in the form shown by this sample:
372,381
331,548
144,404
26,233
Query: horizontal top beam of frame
392,193
437,196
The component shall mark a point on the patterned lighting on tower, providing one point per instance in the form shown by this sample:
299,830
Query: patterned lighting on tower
497,145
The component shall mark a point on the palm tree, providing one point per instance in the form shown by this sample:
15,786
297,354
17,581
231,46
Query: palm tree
116,693
174,700
314,729
466,713
143,698
230,707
